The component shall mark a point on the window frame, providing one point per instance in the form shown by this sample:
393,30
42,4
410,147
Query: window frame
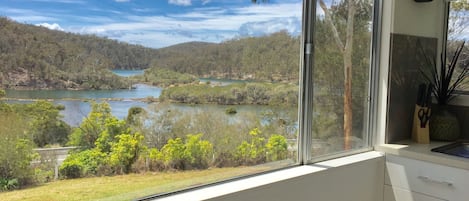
306,86
306,93
462,97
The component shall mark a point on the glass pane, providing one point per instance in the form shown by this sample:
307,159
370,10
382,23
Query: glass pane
458,30
341,76
116,100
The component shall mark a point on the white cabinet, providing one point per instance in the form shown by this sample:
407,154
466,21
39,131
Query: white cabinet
408,179
399,194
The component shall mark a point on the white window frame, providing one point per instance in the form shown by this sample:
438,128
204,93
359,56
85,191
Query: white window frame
306,86
463,96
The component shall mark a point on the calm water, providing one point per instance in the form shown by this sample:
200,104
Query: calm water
77,108
140,91
127,73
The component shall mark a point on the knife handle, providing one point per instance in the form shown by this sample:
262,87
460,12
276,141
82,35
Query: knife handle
421,94
428,96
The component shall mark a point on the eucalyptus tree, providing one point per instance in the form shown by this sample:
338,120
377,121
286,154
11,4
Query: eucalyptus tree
341,20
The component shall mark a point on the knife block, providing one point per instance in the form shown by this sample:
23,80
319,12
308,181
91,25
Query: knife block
419,134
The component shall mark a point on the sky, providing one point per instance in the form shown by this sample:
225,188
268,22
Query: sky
159,23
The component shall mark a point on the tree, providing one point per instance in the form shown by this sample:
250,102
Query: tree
343,36
346,50
126,150
46,125
133,115
99,120
16,152
458,21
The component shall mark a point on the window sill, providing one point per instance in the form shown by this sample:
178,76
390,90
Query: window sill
215,191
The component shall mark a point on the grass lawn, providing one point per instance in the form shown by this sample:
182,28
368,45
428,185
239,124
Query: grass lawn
124,187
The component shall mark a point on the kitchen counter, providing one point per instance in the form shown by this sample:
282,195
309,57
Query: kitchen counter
423,152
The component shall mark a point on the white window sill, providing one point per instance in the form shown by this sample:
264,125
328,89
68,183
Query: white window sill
215,191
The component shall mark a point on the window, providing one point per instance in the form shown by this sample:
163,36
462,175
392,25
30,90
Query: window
341,61
159,96
457,31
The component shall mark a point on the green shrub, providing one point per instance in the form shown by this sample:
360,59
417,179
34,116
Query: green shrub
8,184
72,169
231,110
173,154
126,151
193,153
252,152
156,162
88,162
198,151
277,148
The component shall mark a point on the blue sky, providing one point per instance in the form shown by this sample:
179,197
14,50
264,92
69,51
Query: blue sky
159,23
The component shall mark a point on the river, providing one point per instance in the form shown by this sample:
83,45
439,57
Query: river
77,105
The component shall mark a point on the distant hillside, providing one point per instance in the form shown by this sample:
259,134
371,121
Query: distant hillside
37,57
270,58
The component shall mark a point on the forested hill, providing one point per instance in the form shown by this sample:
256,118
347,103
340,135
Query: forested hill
270,58
37,57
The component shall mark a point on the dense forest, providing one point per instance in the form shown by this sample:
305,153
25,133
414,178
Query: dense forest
37,57
270,58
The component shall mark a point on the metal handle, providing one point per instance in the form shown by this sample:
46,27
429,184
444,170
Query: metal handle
430,180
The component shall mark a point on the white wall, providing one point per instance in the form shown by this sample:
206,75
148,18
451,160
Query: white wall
419,19
358,177
361,181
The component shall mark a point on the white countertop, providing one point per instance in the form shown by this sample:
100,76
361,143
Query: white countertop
423,152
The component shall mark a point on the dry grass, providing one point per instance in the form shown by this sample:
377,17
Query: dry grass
124,187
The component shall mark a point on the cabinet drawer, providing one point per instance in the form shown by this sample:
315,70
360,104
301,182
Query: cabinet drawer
399,194
427,178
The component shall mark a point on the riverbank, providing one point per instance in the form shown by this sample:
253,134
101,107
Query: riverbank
145,100
255,93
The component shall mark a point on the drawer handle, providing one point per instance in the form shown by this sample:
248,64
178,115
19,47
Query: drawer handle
427,179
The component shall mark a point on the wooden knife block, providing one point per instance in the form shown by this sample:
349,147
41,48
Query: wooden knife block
420,135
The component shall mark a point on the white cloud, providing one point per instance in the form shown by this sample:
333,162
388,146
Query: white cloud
180,2
292,25
26,15
53,26
62,1
209,24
